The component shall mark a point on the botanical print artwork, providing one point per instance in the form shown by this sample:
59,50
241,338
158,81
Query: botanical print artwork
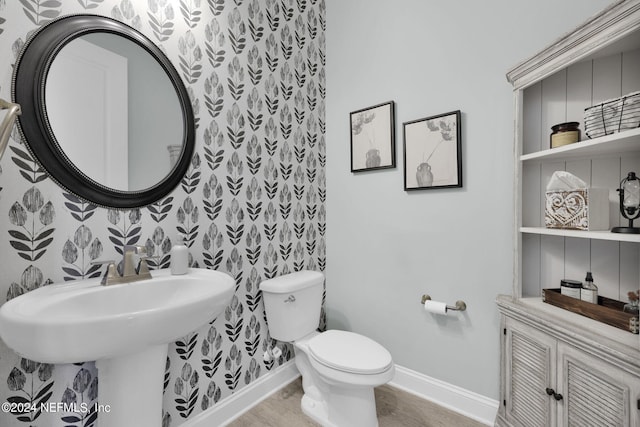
252,203
432,152
373,138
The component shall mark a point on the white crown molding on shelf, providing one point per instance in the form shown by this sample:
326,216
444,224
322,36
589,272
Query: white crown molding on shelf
611,25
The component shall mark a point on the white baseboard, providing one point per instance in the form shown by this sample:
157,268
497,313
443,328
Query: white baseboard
230,408
457,399
465,402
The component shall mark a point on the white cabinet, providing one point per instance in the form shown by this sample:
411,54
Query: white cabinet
559,368
554,375
530,358
595,391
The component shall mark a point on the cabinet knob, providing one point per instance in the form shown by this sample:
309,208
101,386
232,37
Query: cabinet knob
552,392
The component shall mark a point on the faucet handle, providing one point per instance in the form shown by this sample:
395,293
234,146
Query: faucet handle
130,264
111,273
141,269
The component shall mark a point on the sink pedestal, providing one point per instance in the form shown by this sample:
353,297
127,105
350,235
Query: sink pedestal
130,388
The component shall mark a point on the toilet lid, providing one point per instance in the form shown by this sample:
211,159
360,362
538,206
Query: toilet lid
349,352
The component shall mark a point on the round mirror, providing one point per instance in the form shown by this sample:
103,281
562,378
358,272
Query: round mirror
104,111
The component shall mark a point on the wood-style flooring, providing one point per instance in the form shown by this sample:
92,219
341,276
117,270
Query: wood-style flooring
396,408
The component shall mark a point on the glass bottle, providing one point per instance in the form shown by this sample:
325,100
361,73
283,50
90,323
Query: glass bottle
589,291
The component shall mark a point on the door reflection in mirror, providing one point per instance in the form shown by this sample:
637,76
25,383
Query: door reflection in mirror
113,111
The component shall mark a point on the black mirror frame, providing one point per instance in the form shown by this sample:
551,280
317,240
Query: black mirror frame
28,90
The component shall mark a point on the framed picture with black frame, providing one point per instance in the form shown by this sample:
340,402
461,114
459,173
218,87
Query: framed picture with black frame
373,144
433,152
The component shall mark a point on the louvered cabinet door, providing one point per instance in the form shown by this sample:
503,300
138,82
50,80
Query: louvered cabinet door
530,370
595,393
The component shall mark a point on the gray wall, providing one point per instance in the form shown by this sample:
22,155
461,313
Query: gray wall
386,247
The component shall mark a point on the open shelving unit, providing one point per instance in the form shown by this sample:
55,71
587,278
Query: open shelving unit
545,256
619,144
552,359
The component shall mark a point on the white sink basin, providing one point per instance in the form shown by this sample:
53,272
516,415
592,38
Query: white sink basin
84,321
126,328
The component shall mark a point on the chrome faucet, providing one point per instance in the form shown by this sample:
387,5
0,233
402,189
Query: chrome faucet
130,271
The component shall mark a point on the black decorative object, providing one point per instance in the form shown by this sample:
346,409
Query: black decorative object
433,152
29,90
373,143
629,203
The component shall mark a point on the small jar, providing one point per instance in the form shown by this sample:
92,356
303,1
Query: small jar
570,288
564,134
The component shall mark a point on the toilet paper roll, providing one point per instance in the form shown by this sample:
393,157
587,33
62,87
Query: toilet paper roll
435,307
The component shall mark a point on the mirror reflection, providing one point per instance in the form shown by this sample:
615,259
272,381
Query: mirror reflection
114,111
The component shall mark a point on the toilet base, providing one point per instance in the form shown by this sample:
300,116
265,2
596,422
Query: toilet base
316,411
355,408
335,398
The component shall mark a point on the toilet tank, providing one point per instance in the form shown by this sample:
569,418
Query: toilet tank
292,303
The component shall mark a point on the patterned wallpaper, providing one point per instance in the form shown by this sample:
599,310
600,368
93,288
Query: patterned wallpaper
251,204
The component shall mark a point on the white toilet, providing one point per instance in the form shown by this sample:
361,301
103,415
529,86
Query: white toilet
339,369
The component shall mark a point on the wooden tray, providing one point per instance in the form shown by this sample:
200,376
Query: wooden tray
607,310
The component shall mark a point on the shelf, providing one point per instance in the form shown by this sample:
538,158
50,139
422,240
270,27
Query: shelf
596,235
616,143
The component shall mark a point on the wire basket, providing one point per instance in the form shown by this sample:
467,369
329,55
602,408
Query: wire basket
613,116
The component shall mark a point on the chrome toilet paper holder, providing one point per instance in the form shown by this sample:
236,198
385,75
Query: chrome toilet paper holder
460,305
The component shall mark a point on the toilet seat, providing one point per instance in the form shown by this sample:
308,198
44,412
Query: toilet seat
349,352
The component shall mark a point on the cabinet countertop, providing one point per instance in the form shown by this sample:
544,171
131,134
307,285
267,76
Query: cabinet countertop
587,334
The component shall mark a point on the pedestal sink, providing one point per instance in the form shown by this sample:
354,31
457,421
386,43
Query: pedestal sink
125,328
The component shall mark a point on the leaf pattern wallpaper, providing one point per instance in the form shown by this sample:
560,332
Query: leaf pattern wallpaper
252,203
